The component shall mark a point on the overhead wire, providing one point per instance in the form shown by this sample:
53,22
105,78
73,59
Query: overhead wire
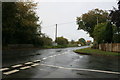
58,24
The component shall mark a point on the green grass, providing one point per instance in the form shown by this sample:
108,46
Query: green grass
96,51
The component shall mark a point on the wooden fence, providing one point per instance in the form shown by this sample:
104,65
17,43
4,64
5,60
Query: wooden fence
113,47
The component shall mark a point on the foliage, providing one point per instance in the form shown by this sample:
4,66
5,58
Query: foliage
108,33
115,19
115,16
19,23
82,41
61,41
47,41
72,42
88,20
103,33
116,36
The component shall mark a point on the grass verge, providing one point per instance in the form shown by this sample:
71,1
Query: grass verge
96,52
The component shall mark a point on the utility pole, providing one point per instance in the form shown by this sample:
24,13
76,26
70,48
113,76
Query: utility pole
56,32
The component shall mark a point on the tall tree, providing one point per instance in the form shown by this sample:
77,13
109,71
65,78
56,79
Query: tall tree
88,20
19,22
9,10
115,19
115,16
103,33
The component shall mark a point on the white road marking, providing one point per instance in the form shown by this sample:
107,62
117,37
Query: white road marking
16,65
10,72
45,58
54,55
29,63
37,60
50,56
65,53
41,69
35,64
3,69
59,54
76,60
91,70
80,56
26,67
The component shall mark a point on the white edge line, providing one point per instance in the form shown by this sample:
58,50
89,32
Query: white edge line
83,69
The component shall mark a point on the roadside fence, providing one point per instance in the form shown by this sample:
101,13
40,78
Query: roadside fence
112,47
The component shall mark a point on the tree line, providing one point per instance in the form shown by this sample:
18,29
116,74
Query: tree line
103,26
20,25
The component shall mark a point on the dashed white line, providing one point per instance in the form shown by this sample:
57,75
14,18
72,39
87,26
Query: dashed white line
29,63
35,64
76,60
3,69
59,54
80,56
26,67
37,60
45,58
54,55
16,65
10,72
50,56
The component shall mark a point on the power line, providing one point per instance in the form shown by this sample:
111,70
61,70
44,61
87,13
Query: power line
65,23
59,24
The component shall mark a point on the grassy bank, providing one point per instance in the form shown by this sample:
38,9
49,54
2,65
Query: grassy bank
90,51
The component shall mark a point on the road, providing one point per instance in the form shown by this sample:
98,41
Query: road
57,63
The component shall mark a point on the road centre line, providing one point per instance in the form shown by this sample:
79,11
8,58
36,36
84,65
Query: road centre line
90,70
35,64
36,60
50,56
20,65
28,62
45,58
26,67
16,65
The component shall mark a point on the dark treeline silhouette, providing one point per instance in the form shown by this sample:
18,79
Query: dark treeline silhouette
20,25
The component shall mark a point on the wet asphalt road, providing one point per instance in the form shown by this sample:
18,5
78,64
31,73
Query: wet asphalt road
59,63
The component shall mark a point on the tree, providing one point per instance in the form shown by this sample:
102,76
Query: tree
108,33
103,33
88,20
61,41
19,23
72,42
82,41
9,10
115,19
99,33
47,41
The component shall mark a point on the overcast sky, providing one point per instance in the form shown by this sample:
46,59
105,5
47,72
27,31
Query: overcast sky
65,11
